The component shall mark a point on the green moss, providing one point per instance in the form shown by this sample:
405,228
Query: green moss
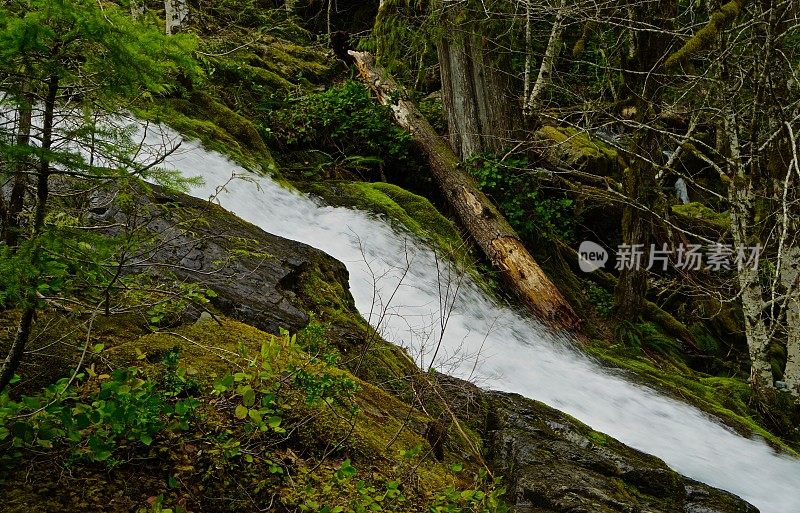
698,211
234,137
232,71
728,399
706,36
216,453
598,438
405,210
579,142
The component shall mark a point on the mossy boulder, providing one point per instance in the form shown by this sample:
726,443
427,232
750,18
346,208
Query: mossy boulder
217,127
574,149
402,208
699,218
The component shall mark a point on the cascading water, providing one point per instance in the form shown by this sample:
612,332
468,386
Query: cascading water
398,284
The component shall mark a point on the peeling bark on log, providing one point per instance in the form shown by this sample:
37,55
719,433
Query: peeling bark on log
486,225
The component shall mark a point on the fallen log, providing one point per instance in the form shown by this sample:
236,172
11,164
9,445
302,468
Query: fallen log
485,224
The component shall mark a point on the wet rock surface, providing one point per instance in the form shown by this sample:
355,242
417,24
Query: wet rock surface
258,278
551,462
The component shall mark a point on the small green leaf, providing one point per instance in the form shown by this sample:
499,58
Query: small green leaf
241,411
255,416
248,396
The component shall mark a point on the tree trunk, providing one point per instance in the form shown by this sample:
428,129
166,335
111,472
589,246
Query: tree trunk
532,102
641,187
17,349
790,277
484,222
137,9
176,13
17,199
479,97
741,194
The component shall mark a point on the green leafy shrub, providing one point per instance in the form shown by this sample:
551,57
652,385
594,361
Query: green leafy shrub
255,392
485,496
123,408
366,495
344,122
516,192
601,299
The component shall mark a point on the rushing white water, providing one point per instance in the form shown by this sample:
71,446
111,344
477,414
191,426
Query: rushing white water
490,343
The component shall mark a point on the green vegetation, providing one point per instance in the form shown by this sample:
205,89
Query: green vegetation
272,413
100,420
159,414
343,124
729,399
512,184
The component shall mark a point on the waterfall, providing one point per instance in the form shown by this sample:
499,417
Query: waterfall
396,281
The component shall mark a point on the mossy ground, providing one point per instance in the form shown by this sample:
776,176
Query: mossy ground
217,464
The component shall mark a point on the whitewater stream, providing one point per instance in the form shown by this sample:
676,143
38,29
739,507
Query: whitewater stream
398,286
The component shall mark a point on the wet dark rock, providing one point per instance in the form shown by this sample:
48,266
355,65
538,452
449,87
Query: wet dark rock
258,278
551,462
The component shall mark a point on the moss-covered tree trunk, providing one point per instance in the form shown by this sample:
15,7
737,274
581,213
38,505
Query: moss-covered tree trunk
791,281
485,223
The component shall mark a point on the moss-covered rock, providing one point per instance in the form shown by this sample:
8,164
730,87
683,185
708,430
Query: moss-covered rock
405,210
572,148
730,400
257,277
554,463
703,215
216,126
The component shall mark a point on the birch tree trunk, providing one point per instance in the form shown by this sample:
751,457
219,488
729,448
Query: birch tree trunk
790,267
532,102
137,9
741,194
791,282
176,13
483,221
